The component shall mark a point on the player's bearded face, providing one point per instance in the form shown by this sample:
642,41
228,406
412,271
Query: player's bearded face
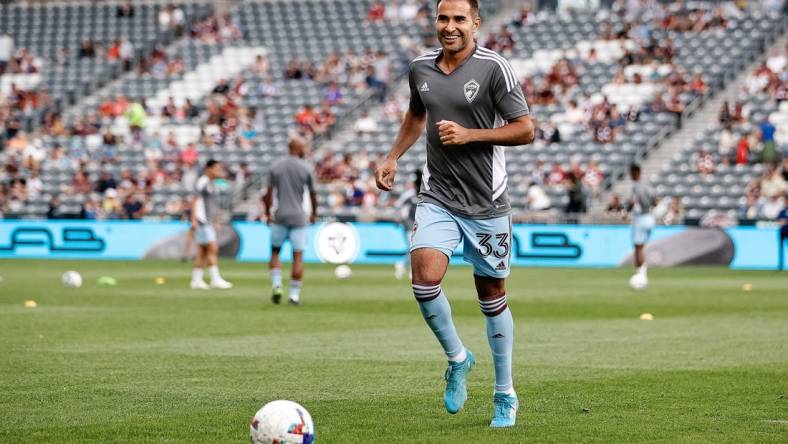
455,25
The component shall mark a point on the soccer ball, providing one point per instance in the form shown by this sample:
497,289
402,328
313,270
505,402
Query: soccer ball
638,282
282,422
343,272
72,279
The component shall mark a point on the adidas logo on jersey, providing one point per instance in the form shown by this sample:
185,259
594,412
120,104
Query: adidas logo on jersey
424,88
501,266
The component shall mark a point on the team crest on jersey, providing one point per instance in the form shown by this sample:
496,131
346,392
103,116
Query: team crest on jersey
471,89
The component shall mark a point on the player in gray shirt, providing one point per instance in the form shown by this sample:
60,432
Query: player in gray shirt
640,204
204,223
289,179
472,105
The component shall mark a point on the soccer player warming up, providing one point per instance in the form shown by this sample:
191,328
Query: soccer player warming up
203,221
640,205
288,179
472,105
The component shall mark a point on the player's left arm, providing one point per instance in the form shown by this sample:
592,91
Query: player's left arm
519,131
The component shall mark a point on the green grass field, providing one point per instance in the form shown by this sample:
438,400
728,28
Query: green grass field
141,362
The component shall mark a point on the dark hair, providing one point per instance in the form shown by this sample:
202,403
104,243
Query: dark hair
210,163
634,168
474,5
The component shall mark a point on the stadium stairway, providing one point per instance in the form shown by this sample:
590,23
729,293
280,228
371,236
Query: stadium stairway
703,118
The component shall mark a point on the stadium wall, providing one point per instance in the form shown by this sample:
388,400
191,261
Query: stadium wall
385,243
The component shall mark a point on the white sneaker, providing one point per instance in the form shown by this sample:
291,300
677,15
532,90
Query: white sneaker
199,285
221,284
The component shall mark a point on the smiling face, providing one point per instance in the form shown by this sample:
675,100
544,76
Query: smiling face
455,24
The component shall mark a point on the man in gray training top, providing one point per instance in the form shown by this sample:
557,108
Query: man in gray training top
640,205
204,223
472,105
288,180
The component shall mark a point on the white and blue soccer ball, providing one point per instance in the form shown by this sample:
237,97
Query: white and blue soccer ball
72,279
282,422
638,282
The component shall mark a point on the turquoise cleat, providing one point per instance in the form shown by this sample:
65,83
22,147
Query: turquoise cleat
504,410
456,389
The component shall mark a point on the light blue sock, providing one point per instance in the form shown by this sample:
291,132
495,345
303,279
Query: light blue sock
437,312
276,277
500,335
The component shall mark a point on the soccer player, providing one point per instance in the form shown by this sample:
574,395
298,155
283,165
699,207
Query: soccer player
289,178
203,215
472,105
640,205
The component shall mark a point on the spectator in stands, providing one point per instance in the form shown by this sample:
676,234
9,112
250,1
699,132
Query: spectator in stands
306,119
125,10
294,70
333,94
536,198
556,176
376,12
704,162
674,213
772,183
80,184
105,182
366,124
87,49
772,206
133,209
261,65
136,115
126,53
743,149
724,116
576,194
769,153
727,144
538,174
593,177
91,209
615,207
6,51
111,206
54,211
169,110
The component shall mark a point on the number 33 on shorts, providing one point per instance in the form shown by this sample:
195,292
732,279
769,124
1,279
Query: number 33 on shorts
487,242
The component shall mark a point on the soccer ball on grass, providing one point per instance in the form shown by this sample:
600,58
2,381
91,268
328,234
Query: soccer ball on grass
72,279
282,422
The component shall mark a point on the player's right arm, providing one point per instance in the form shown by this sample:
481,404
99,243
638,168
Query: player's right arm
412,126
193,212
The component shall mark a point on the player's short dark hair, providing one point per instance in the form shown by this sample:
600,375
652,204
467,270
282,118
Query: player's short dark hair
210,163
474,5
634,168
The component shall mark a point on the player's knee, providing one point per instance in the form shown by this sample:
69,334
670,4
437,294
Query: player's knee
489,288
425,291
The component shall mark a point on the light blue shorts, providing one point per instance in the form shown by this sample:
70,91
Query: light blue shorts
204,234
642,225
296,235
486,242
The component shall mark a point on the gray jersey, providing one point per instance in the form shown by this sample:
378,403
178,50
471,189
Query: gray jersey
482,93
205,192
643,198
289,177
